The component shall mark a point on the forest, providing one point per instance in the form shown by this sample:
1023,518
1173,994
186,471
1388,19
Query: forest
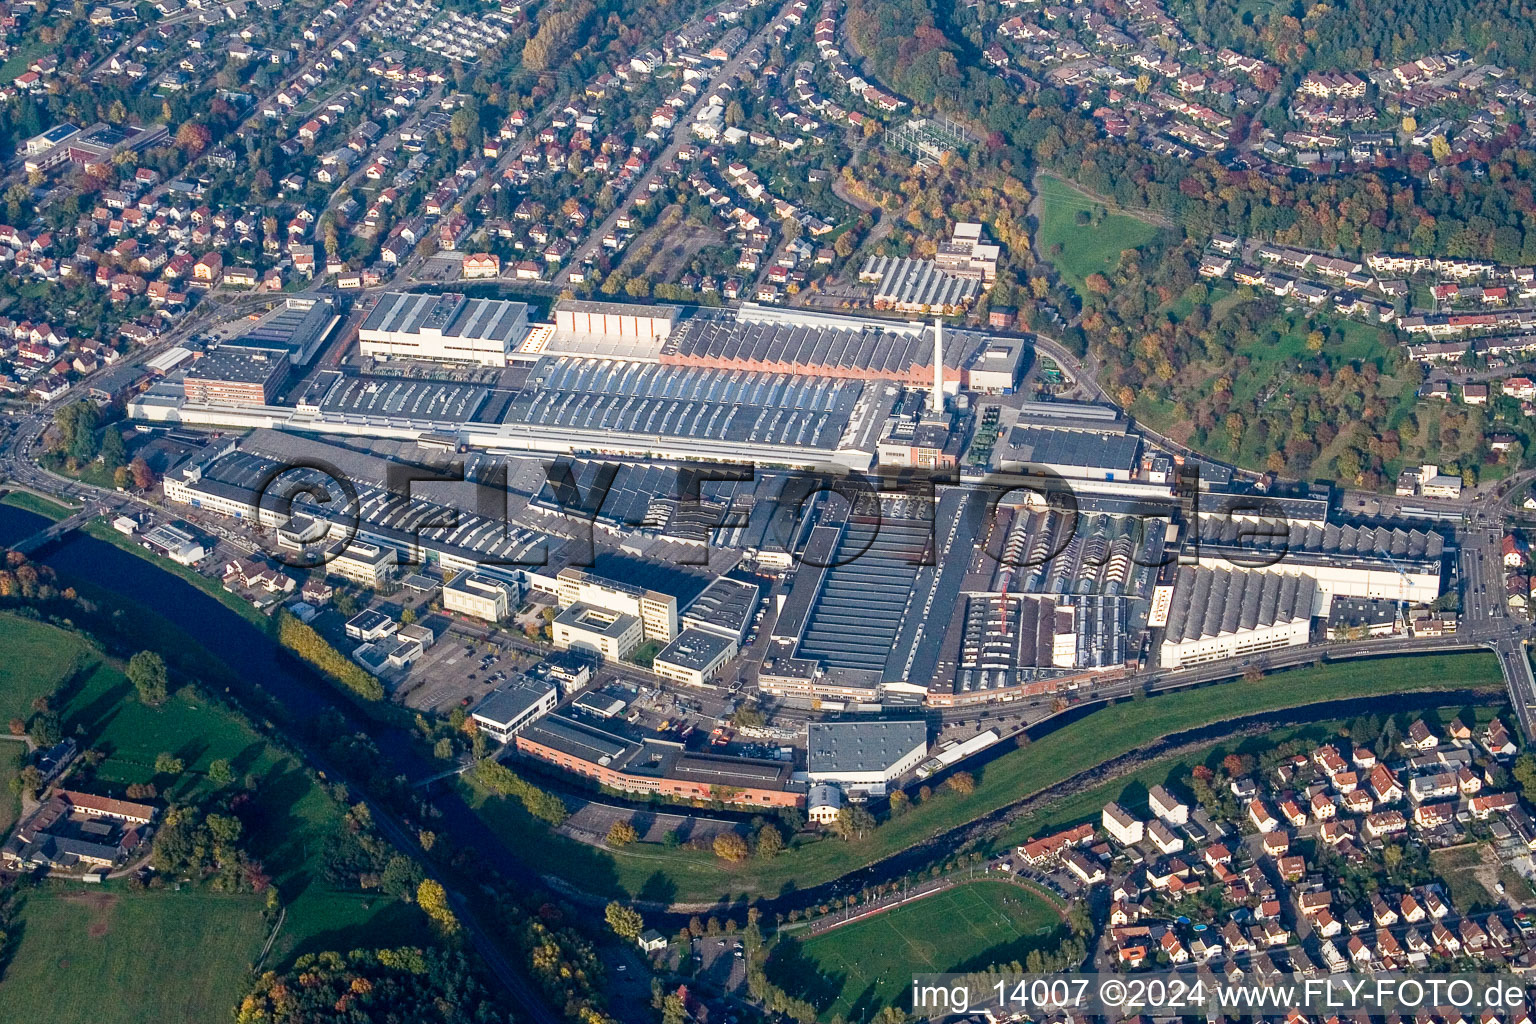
407,984
1343,405
1355,33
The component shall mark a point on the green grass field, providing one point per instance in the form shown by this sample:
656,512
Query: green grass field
107,715
323,921
288,819
97,705
112,934
652,872
1351,342
859,968
41,506
1085,249
88,956
38,657
28,51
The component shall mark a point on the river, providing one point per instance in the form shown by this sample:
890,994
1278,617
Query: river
259,660
252,655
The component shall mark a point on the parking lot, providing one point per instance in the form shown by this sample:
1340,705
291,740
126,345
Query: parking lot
719,962
591,821
459,671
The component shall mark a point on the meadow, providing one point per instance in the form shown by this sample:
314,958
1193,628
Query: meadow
1085,249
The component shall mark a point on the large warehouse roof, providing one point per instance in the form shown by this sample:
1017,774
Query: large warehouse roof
725,606
451,315
1281,536
853,747
672,500
237,365
865,349
296,327
381,515
612,397
635,309
1213,602
1050,446
404,396
908,282
859,610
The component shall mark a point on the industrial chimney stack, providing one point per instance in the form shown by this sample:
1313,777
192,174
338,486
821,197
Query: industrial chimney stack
937,404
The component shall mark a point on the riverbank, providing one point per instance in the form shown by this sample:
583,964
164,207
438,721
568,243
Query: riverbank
105,533
658,878
27,501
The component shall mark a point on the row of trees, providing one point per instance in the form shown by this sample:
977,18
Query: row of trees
312,648
503,781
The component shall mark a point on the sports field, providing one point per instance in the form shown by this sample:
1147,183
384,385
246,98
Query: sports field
859,968
1085,248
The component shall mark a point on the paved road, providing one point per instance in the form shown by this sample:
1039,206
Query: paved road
680,135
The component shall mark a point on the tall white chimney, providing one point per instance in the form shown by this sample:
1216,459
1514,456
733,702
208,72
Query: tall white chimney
937,404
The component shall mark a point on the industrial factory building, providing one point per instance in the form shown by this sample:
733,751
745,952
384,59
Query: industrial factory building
695,657
622,407
864,756
228,479
725,607
1345,560
1218,614
918,286
585,627
1077,454
444,328
612,756
843,632
615,319
795,342
479,596
795,388
298,328
231,375
1076,440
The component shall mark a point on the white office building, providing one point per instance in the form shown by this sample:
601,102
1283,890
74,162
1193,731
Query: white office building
695,657
507,711
584,627
656,611
363,563
479,596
